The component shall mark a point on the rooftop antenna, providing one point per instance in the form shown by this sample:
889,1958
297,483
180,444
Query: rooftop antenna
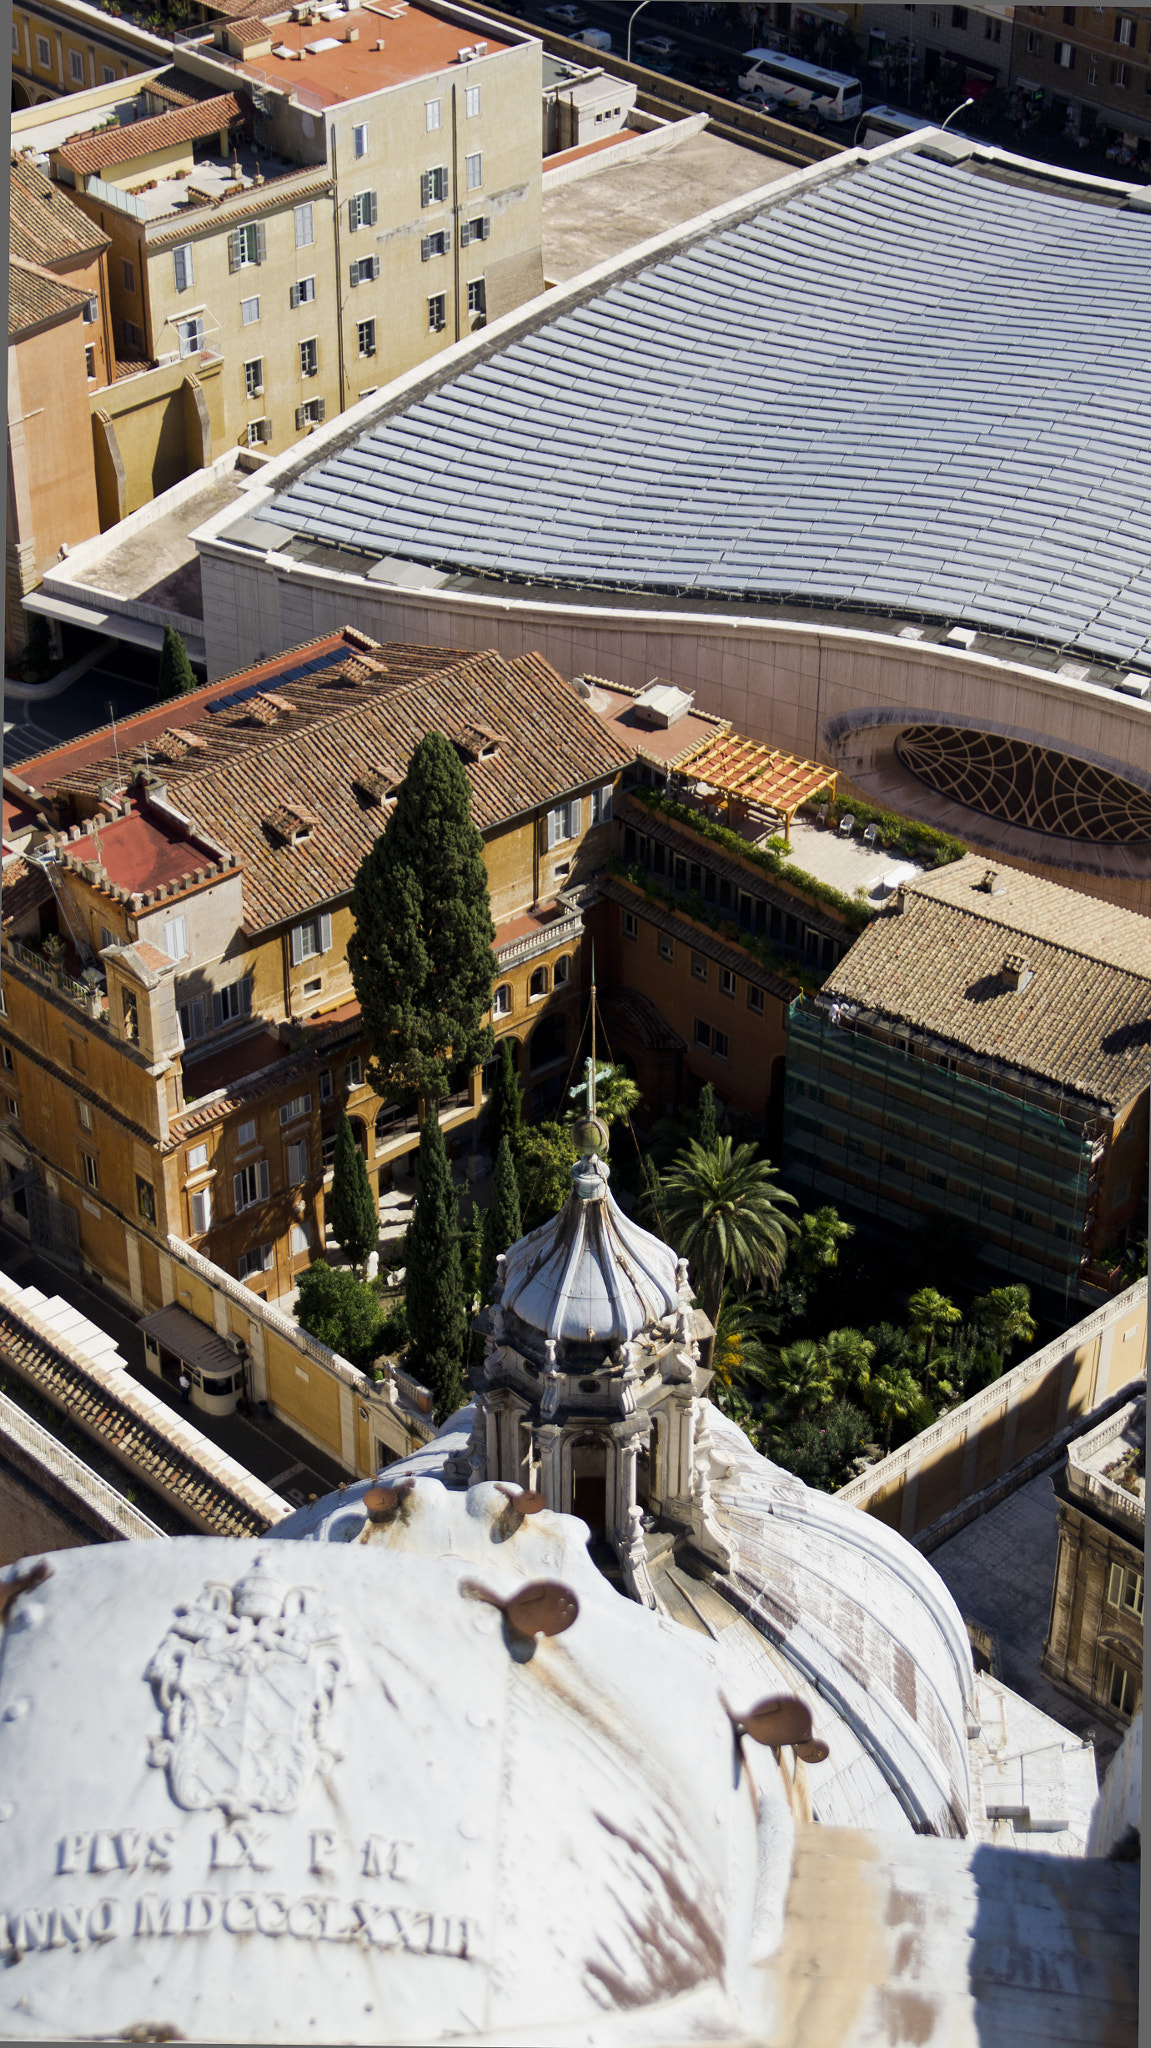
591,1062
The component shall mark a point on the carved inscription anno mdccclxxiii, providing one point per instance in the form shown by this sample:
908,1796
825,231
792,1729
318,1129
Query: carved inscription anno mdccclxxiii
246,1679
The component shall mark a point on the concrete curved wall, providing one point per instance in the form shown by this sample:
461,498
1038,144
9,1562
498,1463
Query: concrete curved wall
834,693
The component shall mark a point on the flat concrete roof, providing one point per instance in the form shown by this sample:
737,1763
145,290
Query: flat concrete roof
608,212
158,564
411,44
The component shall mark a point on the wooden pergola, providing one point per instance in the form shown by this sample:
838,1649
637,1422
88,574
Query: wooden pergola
742,771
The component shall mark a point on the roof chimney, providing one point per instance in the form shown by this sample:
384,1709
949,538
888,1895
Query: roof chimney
991,884
1015,972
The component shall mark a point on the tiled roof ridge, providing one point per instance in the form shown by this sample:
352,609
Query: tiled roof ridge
122,144
36,295
36,205
253,199
932,887
1059,945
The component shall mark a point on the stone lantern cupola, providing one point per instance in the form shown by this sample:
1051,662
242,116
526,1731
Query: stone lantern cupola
591,1390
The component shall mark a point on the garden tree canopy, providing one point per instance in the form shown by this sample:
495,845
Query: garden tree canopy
421,952
893,1395
706,1130
502,1226
543,1165
800,1379
437,1318
723,1212
816,1248
931,1317
175,678
848,1354
334,1306
740,1358
616,1095
351,1206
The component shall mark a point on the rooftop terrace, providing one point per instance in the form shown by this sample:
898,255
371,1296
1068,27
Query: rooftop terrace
345,53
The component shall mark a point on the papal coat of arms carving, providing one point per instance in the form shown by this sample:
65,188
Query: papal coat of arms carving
246,1679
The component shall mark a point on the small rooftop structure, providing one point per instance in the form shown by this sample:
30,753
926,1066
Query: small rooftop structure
745,772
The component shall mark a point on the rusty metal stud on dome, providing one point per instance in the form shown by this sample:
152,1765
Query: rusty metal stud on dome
542,1608
381,1502
781,1722
522,1499
21,1582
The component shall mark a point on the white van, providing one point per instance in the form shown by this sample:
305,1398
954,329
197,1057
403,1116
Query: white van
595,38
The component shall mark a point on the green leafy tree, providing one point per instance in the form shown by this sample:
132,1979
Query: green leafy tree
616,1095
819,1237
894,1395
176,677
1006,1316
342,1312
502,1224
421,951
706,1127
544,1172
351,1208
433,1285
724,1213
741,1356
471,1256
822,1449
506,1103
931,1316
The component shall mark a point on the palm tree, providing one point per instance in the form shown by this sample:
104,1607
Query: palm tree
931,1316
723,1210
848,1355
821,1233
894,1395
800,1379
740,1356
1005,1314
616,1095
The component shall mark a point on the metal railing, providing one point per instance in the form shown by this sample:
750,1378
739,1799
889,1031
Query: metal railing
52,1457
558,934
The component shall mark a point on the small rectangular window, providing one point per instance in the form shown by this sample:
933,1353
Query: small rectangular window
182,267
434,186
311,414
666,947
300,1105
309,358
476,230
477,295
251,1185
304,230
364,270
258,1261
755,999
176,938
726,982
1065,56
254,377
90,364
437,313
360,140
197,1157
719,1044
366,337
85,1116
296,1158
431,113
312,938
13,1108
128,273
502,1001
325,1083
362,211
1125,1590
630,924
76,66
1125,30
232,1002
249,311
246,1135
302,292
354,1074
299,1239
9,1062
43,52
471,101
1122,1688
703,1034
201,1209
145,1199
699,967
1120,76
91,1170
474,171
107,75
434,245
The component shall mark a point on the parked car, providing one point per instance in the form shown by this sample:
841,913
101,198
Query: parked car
657,46
567,16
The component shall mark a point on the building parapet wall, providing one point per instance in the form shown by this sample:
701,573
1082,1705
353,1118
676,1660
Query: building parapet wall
939,1475
1094,1487
38,1453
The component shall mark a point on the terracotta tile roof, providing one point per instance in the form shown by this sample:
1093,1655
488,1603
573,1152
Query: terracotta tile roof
25,887
44,226
249,29
257,761
91,154
35,295
1079,1022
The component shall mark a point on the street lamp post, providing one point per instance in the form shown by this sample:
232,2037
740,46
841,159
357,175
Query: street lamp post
960,109
631,18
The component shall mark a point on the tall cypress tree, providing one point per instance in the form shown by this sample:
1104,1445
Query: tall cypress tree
502,1225
705,1123
352,1210
421,952
175,678
506,1108
437,1318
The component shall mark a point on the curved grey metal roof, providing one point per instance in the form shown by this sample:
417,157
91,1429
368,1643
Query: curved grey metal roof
913,386
590,1275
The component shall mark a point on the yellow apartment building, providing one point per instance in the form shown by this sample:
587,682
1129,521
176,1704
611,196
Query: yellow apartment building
179,1031
67,46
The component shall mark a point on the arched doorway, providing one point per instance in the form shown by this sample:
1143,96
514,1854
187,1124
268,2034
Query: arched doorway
21,97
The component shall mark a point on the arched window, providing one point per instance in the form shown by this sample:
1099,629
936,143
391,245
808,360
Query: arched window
502,1001
562,971
538,985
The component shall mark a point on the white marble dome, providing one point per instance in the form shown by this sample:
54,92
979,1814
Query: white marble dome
589,1275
